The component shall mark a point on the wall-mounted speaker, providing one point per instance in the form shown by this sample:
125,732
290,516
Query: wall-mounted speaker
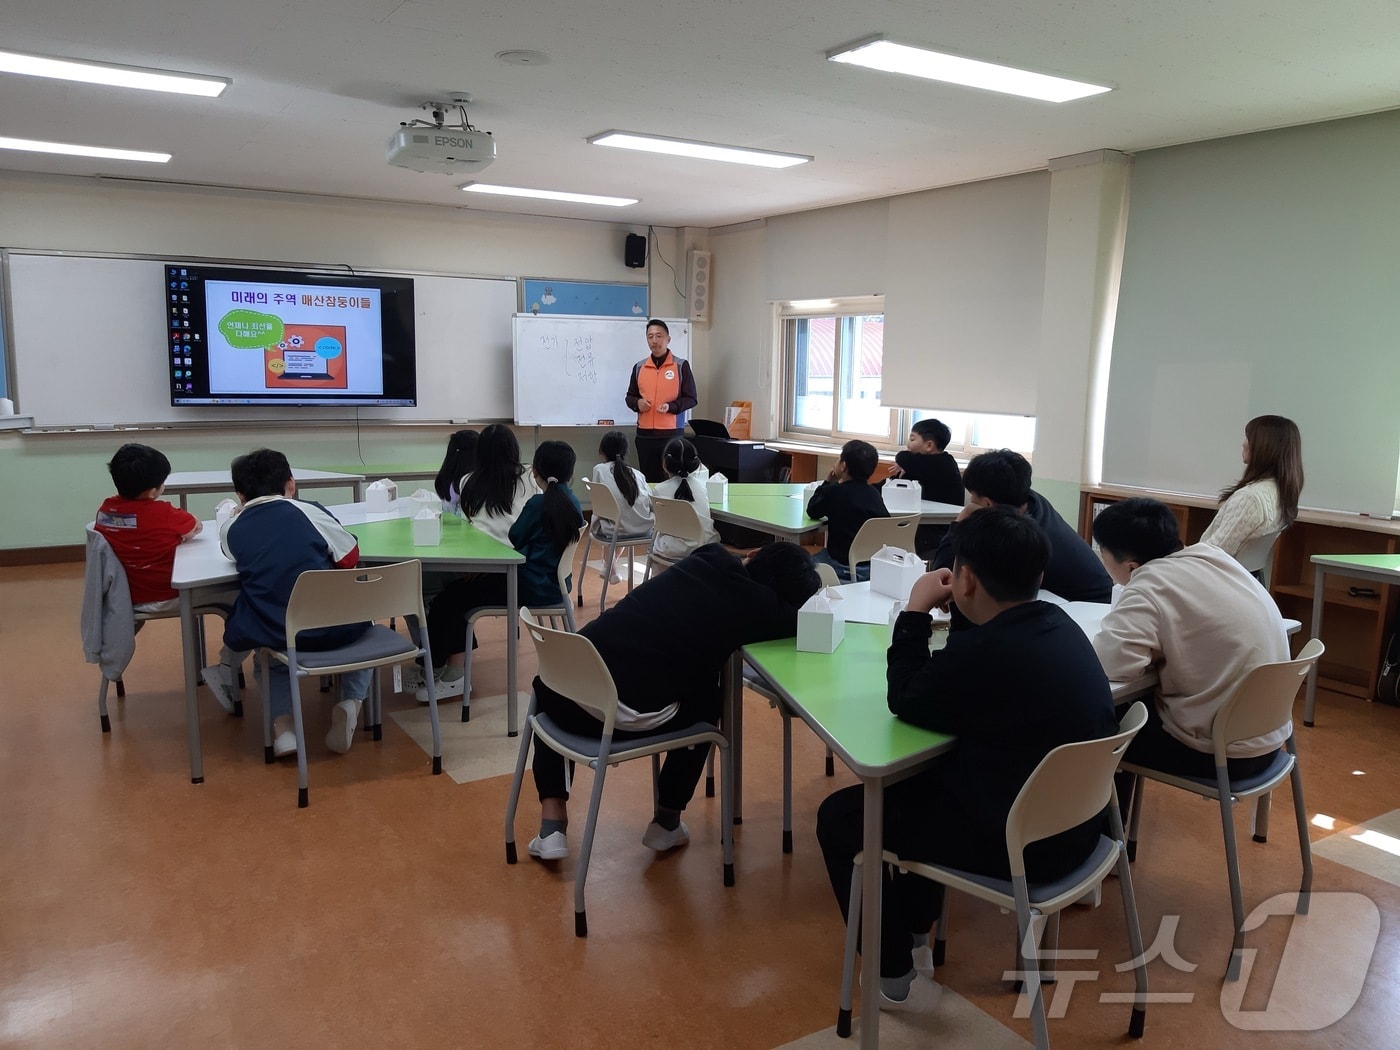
699,297
634,251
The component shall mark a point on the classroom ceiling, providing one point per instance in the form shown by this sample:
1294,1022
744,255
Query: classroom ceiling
320,85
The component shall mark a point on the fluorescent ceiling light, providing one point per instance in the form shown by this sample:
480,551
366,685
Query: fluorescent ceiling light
550,195
761,158
70,150
111,75
954,69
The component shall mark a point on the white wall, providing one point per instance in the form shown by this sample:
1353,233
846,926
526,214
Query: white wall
62,478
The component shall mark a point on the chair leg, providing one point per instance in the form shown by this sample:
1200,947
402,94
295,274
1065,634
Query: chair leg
595,799
631,567
519,779
655,780
102,706
787,781
848,959
1138,1020
1028,947
710,774
1139,786
121,688
940,938
1261,816
467,674
726,808
298,723
1304,846
583,565
433,721
262,664
1232,865
607,570
830,763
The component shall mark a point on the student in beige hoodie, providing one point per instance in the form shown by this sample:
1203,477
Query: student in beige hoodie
1197,618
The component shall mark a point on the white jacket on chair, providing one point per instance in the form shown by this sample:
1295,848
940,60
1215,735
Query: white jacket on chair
108,622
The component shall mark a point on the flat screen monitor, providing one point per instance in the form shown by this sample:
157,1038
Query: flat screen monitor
272,337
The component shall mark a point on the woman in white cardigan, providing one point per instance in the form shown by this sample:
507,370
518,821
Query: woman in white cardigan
1265,499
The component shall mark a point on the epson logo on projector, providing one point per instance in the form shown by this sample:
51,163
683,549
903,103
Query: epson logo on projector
452,140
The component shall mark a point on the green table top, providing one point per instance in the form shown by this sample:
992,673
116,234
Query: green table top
375,471
392,540
1383,562
771,507
841,695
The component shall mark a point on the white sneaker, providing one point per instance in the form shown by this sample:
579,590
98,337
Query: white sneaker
554,846
617,576
443,686
923,960
923,997
660,839
411,676
345,717
219,679
284,736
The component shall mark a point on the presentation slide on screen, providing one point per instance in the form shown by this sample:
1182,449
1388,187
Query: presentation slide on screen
280,338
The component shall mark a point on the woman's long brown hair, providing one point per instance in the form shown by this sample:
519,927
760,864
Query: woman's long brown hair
1275,451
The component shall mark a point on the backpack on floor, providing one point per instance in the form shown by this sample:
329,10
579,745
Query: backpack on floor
1388,684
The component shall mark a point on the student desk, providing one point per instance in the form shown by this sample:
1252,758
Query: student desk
1379,568
183,482
201,571
780,509
375,471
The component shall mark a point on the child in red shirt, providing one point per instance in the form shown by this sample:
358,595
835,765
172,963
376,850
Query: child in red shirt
143,529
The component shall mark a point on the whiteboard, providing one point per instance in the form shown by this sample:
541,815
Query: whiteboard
89,348
573,371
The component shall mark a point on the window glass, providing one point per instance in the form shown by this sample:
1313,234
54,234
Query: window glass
811,352
862,358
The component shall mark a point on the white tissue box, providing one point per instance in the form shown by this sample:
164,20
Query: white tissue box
427,528
717,488
821,623
226,509
902,496
894,572
380,496
426,499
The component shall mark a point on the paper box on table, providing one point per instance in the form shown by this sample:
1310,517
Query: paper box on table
902,496
226,509
425,499
717,488
427,528
894,572
380,496
821,622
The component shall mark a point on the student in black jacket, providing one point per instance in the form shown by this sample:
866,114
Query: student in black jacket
1020,682
927,461
847,500
665,645
1003,479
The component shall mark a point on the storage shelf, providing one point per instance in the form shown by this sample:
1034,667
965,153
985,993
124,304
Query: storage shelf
1331,596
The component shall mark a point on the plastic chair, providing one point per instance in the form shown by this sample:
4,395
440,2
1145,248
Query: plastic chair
827,574
1260,703
606,512
677,518
96,542
329,598
563,611
1254,555
895,531
571,666
1072,784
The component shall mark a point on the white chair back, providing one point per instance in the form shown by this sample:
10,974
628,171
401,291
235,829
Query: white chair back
1263,700
1254,555
329,597
895,531
678,518
602,500
827,575
571,666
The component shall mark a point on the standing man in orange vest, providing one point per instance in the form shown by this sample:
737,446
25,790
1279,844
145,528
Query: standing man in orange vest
661,390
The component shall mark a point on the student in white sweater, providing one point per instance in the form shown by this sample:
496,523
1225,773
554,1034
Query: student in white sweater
629,487
494,494
685,479
1265,499
1200,621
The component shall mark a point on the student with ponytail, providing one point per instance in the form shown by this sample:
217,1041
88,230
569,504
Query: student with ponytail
685,479
457,463
629,488
494,493
548,522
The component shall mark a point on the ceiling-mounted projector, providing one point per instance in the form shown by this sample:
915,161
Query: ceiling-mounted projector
441,147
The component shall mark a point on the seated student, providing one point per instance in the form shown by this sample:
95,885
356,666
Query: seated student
686,477
1265,499
144,529
457,463
847,500
273,538
629,488
668,673
495,492
1196,617
1003,479
1012,688
549,522
937,473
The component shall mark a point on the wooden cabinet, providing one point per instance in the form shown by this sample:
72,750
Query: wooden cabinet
1354,627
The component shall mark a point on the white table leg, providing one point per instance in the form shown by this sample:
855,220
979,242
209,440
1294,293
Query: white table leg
1310,702
872,885
189,638
512,651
